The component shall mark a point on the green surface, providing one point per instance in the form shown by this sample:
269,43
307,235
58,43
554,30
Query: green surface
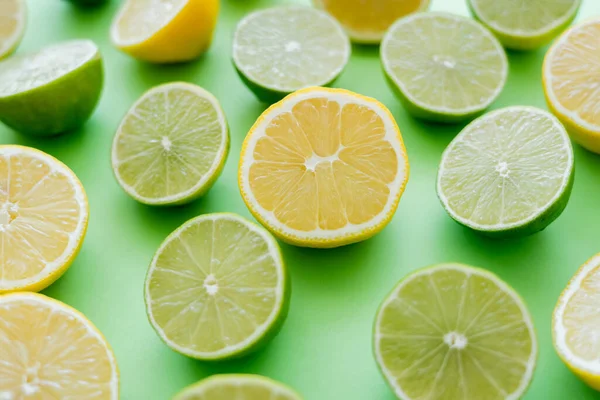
324,349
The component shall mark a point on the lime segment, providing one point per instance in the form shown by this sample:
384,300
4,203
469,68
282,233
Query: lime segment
238,387
509,172
171,146
217,288
444,67
455,332
283,49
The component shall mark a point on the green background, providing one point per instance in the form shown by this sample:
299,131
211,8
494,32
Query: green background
324,349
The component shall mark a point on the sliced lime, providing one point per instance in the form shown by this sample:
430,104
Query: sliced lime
53,90
525,25
171,146
444,67
454,332
279,50
238,387
508,173
217,288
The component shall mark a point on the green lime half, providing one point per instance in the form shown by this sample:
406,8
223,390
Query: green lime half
52,91
171,146
279,50
525,25
237,387
454,332
217,288
443,67
508,173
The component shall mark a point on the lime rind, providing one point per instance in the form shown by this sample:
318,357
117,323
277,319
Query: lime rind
260,337
238,380
208,180
268,92
468,270
417,107
545,215
530,40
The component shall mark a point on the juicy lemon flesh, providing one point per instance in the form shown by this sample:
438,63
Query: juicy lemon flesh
40,216
505,167
168,143
574,68
288,48
11,24
444,62
47,352
453,334
324,165
239,387
372,17
143,18
213,286
520,17
581,319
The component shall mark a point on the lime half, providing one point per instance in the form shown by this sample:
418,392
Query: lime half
279,50
53,90
217,288
454,332
525,25
171,146
508,173
238,387
13,19
444,67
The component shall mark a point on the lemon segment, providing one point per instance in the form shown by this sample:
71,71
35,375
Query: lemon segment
43,218
13,19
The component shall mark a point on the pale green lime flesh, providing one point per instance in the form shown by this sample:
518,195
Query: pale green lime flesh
453,332
279,50
217,288
51,91
237,387
444,67
508,172
171,146
525,25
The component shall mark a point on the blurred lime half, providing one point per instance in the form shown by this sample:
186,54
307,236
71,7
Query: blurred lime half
53,90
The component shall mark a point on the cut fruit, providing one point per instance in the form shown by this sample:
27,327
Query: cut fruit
455,332
324,168
367,21
508,173
171,146
52,91
570,76
238,387
282,49
217,288
51,351
43,218
575,323
13,19
525,25
443,67
165,31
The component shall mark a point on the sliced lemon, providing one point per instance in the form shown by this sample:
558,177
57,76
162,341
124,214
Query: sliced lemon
49,350
238,387
576,322
217,288
367,21
13,19
570,77
165,31
43,218
454,332
324,168
171,146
